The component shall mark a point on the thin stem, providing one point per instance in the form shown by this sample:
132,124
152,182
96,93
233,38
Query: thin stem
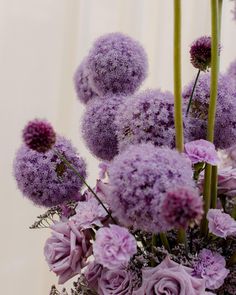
233,214
72,167
191,97
207,198
164,241
214,185
232,260
182,239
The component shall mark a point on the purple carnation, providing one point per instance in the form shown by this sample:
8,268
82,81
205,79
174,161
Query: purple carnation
117,64
201,151
211,267
146,117
39,135
44,178
221,224
225,124
227,181
139,179
99,128
114,246
82,83
181,206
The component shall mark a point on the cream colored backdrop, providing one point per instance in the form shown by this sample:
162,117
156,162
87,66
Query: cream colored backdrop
41,43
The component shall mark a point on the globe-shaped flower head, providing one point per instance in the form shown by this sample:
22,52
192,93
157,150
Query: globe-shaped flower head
39,135
44,178
84,90
140,178
146,117
225,124
117,64
99,128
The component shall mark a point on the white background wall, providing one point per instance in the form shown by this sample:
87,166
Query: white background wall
41,43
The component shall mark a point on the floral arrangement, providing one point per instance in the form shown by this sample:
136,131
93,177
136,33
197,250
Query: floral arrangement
161,217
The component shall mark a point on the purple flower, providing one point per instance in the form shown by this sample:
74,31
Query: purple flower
201,151
99,128
115,282
232,68
211,267
139,179
44,178
114,246
172,278
92,274
67,250
84,90
103,166
181,206
196,121
221,224
39,135
89,213
117,64
146,117
227,181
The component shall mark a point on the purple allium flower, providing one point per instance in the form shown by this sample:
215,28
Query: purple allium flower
221,224
92,274
67,250
200,53
139,179
114,246
99,128
146,117
89,213
211,267
227,181
44,178
201,151
232,70
170,277
84,90
225,124
115,282
39,135
117,64
181,206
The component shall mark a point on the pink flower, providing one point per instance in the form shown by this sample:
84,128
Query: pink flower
201,151
227,181
172,278
211,267
221,224
114,246
67,250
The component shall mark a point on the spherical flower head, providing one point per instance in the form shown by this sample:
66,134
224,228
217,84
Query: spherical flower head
196,121
117,64
170,277
99,128
39,135
146,117
211,267
114,246
139,179
181,206
83,87
201,151
221,224
44,178
67,250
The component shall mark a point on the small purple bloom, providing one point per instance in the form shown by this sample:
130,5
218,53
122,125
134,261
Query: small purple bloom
227,181
201,151
103,166
39,135
221,224
114,246
211,267
170,277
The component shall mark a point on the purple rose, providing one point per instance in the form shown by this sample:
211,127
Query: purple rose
170,278
227,181
221,224
67,250
114,246
201,151
211,267
115,282
92,274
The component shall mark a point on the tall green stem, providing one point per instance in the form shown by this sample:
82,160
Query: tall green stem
191,97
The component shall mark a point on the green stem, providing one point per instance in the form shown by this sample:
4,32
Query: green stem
72,167
179,138
164,241
182,238
233,214
220,5
232,260
214,185
191,97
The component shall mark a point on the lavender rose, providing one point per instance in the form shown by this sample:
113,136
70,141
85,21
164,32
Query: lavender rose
92,274
170,278
67,250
